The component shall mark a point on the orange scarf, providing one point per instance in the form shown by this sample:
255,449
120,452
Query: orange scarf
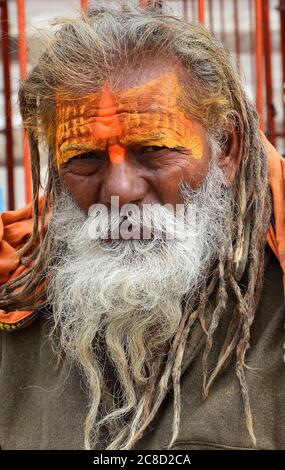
276,234
16,227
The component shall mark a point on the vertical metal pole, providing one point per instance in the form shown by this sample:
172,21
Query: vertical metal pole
211,17
185,9
84,5
146,3
222,16
193,9
268,72
201,11
282,26
22,55
237,36
7,100
259,60
252,37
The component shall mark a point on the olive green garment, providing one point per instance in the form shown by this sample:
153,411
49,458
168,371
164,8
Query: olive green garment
44,408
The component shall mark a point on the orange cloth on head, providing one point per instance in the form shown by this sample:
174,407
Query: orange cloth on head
16,227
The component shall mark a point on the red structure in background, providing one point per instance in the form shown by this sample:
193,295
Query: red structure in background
259,60
282,26
201,11
22,55
268,74
261,50
84,4
196,9
147,3
7,99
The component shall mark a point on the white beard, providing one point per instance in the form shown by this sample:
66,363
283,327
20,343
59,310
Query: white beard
130,290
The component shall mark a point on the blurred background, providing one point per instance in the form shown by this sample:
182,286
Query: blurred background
253,30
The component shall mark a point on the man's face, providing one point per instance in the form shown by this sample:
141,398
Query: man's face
133,142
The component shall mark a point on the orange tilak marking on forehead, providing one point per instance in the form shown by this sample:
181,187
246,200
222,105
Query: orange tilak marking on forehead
110,127
116,153
107,124
147,114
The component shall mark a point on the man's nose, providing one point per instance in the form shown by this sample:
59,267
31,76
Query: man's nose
124,181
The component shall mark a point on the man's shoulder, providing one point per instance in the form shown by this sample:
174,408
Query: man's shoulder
28,338
270,314
42,399
272,294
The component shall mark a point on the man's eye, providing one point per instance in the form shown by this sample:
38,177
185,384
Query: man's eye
92,155
152,148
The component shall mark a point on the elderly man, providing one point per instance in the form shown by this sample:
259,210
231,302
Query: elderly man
129,324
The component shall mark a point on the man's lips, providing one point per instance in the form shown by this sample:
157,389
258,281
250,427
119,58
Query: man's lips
127,233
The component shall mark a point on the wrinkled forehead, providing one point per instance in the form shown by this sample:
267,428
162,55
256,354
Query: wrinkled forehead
156,94
145,113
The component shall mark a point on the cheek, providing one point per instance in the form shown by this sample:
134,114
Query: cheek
196,172
188,170
84,189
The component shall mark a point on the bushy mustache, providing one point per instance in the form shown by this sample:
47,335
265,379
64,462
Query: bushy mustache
130,222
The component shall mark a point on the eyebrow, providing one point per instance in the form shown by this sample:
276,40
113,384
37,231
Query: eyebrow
82,146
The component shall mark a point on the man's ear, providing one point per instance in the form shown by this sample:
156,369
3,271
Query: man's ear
229,159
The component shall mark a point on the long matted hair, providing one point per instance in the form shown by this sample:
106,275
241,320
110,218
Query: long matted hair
82,54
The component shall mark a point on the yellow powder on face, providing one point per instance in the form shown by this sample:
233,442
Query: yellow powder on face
143,115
